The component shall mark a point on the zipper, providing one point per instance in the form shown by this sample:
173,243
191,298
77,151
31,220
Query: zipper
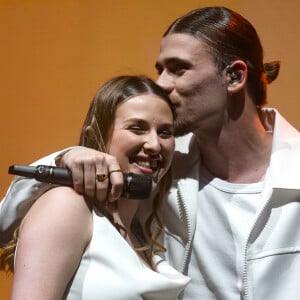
183,211
245,286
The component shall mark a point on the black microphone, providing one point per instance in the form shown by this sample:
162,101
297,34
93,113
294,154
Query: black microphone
136,186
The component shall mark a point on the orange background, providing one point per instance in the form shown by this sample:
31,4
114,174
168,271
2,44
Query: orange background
55,54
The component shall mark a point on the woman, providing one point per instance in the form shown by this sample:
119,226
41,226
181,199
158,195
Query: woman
69,247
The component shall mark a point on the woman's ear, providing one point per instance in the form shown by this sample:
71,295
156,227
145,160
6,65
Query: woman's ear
87,133
87,130
236,74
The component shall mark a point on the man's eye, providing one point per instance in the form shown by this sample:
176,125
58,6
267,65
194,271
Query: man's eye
177,69
159,70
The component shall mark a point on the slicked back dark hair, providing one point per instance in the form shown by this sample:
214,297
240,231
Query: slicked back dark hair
228,37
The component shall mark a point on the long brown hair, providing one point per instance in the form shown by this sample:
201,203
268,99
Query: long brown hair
99,118
101,115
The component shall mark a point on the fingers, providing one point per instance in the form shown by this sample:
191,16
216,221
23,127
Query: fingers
116,180
88,183
101,182
97,175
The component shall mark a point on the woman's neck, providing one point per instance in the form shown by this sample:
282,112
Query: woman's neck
125,212
131,230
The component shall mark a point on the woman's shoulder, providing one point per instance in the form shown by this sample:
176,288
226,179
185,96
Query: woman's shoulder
62,201
60,211
52,239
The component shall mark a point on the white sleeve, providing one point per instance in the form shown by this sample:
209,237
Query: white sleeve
20,195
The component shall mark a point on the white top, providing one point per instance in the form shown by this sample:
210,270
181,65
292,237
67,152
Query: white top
225,216
110,269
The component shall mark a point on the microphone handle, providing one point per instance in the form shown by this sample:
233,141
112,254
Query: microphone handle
62,176
136,186
43,173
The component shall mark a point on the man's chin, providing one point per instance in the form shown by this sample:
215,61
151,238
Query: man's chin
181,129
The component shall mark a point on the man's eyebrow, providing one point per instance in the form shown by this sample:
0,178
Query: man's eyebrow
172,60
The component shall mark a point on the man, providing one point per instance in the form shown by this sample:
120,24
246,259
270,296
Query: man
232,216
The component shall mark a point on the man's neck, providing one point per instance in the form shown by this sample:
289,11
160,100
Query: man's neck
240,153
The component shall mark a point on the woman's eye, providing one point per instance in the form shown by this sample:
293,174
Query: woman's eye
166,134
136,129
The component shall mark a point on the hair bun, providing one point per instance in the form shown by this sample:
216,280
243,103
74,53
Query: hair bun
271,70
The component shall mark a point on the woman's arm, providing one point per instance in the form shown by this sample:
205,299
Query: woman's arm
53,237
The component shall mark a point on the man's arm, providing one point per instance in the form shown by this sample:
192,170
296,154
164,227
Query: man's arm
20,196
84,164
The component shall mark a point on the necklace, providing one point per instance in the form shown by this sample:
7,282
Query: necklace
136,233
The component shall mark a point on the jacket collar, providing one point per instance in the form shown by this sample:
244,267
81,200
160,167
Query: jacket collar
284,167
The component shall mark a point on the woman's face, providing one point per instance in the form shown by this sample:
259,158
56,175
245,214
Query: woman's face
142,136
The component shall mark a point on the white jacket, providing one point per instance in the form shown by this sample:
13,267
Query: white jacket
272,254
20,195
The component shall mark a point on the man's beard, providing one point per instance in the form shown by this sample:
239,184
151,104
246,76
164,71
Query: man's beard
182,127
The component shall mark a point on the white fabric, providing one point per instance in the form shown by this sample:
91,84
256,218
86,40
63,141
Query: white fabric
20,196
111,269
225,214
272,249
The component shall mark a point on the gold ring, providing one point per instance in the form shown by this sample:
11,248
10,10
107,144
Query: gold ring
100,177
112,171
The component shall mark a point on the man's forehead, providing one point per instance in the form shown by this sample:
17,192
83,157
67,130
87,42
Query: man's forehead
179,46
180,38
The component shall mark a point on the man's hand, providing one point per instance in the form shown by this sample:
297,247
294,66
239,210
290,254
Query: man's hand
85,164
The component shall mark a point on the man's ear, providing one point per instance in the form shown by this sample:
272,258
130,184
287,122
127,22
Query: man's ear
236,74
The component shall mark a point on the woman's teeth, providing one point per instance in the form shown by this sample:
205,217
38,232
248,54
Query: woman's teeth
145,164
150,164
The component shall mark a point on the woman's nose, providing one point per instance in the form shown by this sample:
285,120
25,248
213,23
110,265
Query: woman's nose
152,144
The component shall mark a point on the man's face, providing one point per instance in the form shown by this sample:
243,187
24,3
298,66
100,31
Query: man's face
187,71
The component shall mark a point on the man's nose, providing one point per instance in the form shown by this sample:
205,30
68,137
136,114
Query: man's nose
165,81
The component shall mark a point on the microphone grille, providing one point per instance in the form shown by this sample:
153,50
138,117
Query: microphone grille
136,186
